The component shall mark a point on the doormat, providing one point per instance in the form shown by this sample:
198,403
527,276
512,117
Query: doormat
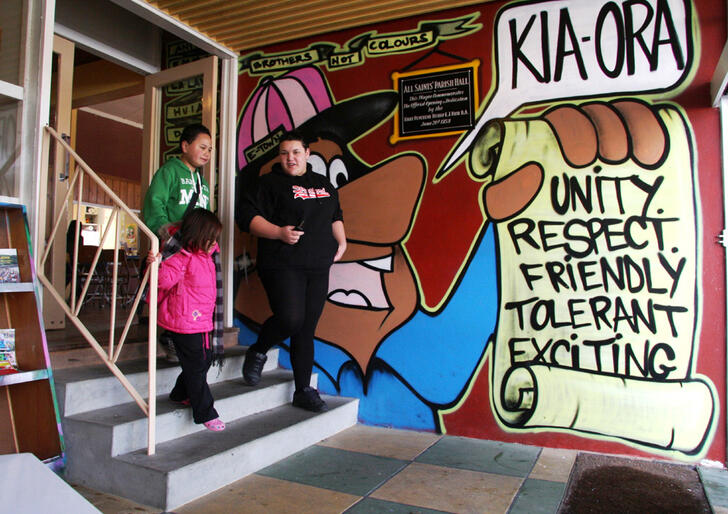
606,484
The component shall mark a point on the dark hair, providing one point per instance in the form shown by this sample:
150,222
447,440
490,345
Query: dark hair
198,228
190,133
294,135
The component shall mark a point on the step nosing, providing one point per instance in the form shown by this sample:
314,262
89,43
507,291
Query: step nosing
75,398
226,391
211,445
233,357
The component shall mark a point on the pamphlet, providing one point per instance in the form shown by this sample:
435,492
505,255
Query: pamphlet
8,362
9,270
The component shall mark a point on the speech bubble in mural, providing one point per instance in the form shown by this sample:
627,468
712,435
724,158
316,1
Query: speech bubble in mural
575,49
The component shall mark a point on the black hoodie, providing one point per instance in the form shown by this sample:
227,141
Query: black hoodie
284,199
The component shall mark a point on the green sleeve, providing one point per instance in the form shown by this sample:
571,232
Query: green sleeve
154,211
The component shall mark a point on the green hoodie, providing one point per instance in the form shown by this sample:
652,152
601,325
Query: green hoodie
170,192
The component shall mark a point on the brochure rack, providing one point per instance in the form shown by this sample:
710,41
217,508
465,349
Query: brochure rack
29,420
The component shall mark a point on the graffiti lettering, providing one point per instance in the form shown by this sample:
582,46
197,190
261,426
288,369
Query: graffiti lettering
346,59
579,192
631,41
284,61
624,274
581,238
518,40
599,312
600,286
605,354
547,51
404,42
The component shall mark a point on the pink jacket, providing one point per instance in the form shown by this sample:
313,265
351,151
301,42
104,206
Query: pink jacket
187,292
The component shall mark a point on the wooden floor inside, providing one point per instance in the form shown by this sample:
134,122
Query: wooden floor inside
68,347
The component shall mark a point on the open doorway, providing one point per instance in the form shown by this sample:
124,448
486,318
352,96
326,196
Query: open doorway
97,107
107,128
123,126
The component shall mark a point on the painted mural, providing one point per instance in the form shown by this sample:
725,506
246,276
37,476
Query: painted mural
538,278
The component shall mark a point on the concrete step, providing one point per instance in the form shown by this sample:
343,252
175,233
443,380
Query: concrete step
95,387
106,433
188,467
127,423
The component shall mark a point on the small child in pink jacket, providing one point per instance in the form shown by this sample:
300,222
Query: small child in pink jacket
187,295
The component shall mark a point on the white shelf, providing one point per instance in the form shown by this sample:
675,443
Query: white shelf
17,287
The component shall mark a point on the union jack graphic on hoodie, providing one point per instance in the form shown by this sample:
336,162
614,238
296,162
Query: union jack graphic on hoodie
309,193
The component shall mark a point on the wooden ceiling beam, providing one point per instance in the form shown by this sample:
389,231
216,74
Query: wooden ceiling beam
315,10
358,14
247,24
257,36
193,11
181,5
272,7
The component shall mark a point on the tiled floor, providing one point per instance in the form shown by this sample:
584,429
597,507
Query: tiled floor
715,484
368,470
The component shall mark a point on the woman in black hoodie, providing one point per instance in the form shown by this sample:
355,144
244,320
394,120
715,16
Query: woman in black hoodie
296,215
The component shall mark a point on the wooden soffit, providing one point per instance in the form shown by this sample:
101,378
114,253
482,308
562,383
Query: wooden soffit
244,25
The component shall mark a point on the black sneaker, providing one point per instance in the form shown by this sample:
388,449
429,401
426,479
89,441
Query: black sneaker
253,366
309,399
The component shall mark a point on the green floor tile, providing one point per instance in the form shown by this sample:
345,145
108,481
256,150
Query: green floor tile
486,456
538,497
715,484
374,506
338,470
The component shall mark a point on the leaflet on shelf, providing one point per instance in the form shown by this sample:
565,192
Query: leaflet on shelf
9,270
8,363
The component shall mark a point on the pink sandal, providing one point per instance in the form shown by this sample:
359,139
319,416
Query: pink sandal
216,425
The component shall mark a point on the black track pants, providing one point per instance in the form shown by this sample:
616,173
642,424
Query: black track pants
297,299
195,360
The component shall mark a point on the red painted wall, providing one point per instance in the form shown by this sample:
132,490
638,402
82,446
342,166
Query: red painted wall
449,217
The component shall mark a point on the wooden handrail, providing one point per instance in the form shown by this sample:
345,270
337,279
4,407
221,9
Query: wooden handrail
72,311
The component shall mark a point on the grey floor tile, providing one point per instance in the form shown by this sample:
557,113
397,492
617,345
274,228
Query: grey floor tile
715,484
338,470
538,497
374,506
478,455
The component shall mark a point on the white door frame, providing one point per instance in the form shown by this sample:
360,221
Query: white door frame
228,118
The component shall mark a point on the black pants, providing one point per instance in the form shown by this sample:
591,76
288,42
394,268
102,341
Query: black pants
297,299
195,360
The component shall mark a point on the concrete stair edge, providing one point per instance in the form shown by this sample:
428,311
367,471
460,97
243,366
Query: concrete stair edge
130,430
185,484
88,393
170,489
106,432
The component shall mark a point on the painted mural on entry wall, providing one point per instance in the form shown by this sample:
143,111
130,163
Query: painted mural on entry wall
575,284
597,318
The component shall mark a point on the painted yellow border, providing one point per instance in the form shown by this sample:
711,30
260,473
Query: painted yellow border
474,64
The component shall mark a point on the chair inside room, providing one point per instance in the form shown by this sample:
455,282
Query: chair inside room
95,291
101,287
124,274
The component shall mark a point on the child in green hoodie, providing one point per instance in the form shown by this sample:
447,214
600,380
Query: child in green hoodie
174,186
176,181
